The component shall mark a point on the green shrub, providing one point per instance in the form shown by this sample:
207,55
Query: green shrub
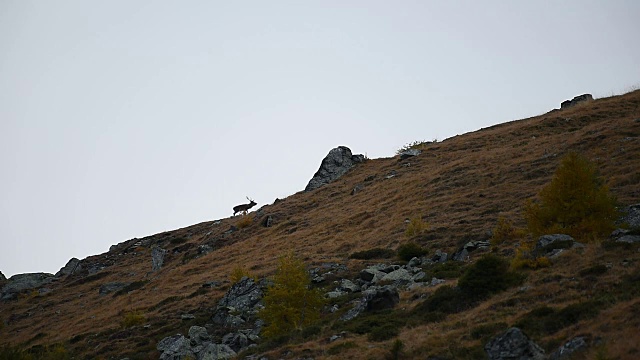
410,250
396,350
416,227
445,300
244,221
337,349
375,253
576,202
239,272
488,276
384,332
445,270
289,303
544,320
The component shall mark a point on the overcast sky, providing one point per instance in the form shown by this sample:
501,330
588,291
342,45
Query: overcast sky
122,119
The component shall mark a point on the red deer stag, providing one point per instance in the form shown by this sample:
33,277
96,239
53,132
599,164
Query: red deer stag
243,207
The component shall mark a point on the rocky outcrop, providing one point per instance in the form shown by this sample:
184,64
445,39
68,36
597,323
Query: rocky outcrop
464,252
21,282
334,165
576,100
632,216
72,266
112,287
157,258
513,345
546,244
409,153
197,346
375,298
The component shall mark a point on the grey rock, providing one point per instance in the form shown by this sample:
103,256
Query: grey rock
567,350
333,166
157,258
461,255
414,262
187,317
375,298
2,278
198,335
547,243
111,287
409,153
21,282
216,352
236,341
268,221
348,286
174,347
239,303
576,100
335,294
439,256
400,276
632,216
629,239
371,274
436,281
71,267
513,345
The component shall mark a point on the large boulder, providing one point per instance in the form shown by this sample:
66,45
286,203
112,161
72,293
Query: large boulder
513,345
375,298
576,100
157,258
334,165
632,217
21,282
568,350
216,352
239,304
176,347
548,243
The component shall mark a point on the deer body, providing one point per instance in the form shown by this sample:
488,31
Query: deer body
243,207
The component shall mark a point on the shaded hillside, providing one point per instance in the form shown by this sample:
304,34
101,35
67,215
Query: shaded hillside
460,186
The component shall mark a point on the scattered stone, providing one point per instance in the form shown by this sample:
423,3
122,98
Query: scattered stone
236,341
216,352
72,266
175,347
513,345
547,243
567,350
187,317
356,189
375,298
334,165
157,258
371,274
212,284
439,256
239,304
436,281
629,239
369,178
391,174
399,276
576,100
348,286
198,335
409,153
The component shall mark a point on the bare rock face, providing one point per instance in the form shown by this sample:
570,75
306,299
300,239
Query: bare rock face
576,100
513,345
21,282
334,165
157,258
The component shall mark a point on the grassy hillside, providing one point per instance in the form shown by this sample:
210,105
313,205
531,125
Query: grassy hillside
460,186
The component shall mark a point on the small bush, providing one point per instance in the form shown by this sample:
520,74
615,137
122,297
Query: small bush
244,221
445,300
410,250
382,333
416,227
526,259
595,270
238,273
375,253
576,202
445,270
132,318
396,350
505,232
289,303
412,145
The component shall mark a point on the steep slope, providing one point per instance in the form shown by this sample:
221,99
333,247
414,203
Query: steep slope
459,186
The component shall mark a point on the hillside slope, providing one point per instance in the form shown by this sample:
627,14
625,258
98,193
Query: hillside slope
460,186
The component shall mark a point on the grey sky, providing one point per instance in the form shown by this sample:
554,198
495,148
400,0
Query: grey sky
121,119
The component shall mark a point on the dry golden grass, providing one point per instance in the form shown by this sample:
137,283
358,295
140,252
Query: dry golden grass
460,186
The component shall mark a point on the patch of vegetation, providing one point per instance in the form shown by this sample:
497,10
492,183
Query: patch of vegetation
45,352
416,226
576,202
410,250
289,303
132,318
545,320
485,332
90,278
337,349
375,253
505,232
595,270
238,273
418,144
396,351
380,325
166,301
178,240
445,270
245,221
489,275
133,286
